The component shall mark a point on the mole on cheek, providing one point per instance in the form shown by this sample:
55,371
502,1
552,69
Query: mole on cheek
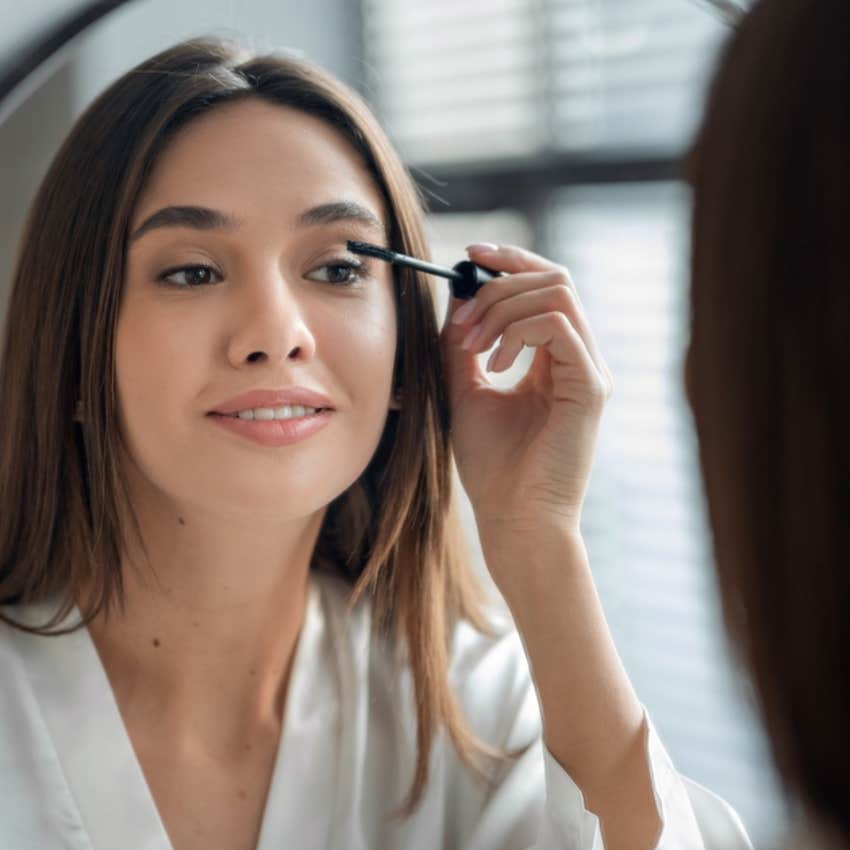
181,520
156,641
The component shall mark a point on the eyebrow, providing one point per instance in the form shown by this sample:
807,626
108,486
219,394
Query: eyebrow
205,218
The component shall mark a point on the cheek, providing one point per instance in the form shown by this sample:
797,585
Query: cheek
157,360
360,348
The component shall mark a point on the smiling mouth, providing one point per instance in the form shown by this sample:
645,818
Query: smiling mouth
280,414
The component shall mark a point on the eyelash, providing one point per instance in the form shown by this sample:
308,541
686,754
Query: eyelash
360,271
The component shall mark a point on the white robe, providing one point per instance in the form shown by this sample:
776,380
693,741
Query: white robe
69,777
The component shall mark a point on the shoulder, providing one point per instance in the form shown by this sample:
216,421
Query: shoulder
10,661
22,651
476,653
492,680
14,641
488,673
19,710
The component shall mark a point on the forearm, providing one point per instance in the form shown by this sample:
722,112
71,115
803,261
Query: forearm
592,719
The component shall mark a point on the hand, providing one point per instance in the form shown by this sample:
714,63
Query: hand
524,454
524,457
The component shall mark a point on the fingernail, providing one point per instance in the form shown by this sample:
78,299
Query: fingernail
482,246
471,336
464,312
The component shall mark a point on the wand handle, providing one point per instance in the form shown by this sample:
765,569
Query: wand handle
472,278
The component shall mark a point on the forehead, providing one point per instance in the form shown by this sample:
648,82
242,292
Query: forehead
255,153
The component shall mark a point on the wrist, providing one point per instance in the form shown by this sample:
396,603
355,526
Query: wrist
518,534
535,569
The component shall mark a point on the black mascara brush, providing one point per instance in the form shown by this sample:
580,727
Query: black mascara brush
465,277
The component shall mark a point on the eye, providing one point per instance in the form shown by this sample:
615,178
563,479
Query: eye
339,273
205,272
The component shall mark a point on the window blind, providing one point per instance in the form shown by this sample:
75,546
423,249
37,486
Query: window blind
513,78
644,522
454,80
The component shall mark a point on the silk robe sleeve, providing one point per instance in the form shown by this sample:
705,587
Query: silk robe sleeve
535,804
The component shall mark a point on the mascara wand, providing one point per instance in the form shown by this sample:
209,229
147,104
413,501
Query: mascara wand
465,277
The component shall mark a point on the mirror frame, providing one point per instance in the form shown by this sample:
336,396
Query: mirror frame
25,61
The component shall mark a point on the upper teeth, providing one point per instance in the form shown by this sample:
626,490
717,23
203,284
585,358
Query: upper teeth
285,412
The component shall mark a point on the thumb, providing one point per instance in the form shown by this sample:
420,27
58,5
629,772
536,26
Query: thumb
462,368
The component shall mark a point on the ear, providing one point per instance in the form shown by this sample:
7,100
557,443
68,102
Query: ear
395,402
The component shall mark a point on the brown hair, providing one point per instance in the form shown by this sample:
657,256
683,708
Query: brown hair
768,375
393,535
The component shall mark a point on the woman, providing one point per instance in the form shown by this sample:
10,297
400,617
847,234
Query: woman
282,637
767,375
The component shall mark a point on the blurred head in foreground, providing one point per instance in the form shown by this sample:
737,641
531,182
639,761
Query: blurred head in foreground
768,376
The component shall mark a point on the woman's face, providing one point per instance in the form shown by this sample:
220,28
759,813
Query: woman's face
274,309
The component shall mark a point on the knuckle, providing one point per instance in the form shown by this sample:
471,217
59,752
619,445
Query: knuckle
562,297
559,320
598,393
561,277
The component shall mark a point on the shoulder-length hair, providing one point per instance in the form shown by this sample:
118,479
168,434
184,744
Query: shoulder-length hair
393,535
768,375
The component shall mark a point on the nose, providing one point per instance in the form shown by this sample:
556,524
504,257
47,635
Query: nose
269,324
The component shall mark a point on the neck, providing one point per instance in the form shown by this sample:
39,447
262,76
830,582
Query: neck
211,620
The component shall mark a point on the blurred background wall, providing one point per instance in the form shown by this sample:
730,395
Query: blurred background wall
556,124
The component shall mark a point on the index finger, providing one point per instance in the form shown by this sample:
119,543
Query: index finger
511,259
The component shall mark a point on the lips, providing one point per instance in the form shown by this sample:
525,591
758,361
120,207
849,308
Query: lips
274,399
